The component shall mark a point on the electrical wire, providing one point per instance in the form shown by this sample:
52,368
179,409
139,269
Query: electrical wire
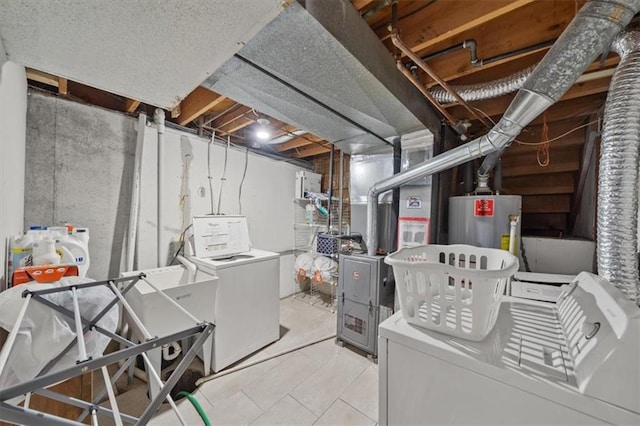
244,174
209,177
224,172
582,126
543,155
197,406
181,242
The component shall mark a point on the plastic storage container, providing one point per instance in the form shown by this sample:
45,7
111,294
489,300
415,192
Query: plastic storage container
452,289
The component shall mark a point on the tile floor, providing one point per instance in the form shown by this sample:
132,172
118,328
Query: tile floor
320,384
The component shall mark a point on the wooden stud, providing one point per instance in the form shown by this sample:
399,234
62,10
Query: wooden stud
62,86
42,77
297,142
197,103
130,105
311,151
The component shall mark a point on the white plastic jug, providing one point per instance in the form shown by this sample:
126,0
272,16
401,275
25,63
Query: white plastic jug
44,253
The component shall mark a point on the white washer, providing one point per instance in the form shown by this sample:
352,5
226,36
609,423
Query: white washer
537,286
247,306
574,362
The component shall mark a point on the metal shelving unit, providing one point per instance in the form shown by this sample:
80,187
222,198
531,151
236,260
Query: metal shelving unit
305,242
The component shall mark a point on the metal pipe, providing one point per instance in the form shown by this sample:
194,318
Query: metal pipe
158,118
590,33
618,175
415,58
330,189
586,36
470,44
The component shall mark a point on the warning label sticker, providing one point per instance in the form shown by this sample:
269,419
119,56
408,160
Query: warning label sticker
484,207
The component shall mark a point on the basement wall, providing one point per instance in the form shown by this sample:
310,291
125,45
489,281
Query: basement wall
79,170
13,113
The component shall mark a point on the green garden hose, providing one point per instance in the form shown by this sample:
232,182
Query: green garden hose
197,406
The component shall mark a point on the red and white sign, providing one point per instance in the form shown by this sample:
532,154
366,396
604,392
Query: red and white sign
484,207
356,275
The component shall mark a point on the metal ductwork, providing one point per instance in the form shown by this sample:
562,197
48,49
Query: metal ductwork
320,67
618,175
480,91
590,32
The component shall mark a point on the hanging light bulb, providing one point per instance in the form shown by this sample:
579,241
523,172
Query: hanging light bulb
263,132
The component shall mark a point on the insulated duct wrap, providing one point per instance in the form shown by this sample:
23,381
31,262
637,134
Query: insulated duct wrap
488,90
590,32
618,177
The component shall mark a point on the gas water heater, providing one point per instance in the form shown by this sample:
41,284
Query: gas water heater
485,220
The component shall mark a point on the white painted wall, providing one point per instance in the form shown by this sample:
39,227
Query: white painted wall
266,200
13,116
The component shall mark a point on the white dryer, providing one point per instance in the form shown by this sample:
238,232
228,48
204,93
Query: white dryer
247,306
572,362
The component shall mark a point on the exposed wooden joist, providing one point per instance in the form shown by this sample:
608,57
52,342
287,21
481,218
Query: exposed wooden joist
130,105
561,160
316,149
42,77
297,142
552,183
197,103
546,204
62,86
231,116
447,19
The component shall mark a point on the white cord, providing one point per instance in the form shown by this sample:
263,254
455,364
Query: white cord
244,174
224,172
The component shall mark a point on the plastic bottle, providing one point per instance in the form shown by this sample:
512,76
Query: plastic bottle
77,247
309,211
44,253
20,249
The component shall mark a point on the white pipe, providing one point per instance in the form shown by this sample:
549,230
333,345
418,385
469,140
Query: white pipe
82,349
158,118
135,194
512,234
112,398
191,267
258,361
8,345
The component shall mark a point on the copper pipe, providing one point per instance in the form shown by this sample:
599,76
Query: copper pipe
419,62
427,94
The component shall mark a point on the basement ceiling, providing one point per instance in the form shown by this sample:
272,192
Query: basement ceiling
153,51
510,35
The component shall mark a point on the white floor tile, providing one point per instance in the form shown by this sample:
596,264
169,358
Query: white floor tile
341,413
287,411
281,380
166,416
320,391
363,392
223,387
323,352
237,410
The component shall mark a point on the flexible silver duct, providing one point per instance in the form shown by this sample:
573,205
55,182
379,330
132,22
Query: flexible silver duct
593,29
618,177
488,90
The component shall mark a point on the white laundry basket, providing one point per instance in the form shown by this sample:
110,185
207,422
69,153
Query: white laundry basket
453,289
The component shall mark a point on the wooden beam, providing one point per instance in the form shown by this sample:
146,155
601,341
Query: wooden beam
453,19
552,183
553,221
197,103
231,116
42,77
311,151
561,160
62,86
297,142
546,204
130,105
